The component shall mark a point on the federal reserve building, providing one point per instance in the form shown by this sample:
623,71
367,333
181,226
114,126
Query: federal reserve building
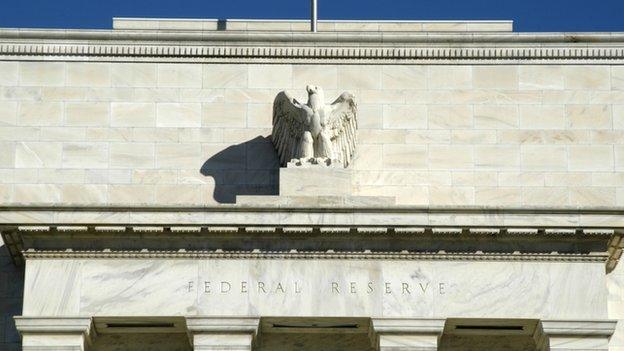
254,185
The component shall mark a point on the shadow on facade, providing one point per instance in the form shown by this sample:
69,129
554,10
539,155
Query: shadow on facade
11,296
249,168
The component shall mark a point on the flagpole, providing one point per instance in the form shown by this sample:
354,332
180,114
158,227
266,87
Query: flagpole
313,15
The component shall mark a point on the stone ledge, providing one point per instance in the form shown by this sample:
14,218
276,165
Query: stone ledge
120,23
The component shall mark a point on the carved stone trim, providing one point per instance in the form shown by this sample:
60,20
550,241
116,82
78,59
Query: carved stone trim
604,328
166,52
329,255
52,324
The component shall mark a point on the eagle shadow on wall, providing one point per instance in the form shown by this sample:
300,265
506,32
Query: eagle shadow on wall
249,168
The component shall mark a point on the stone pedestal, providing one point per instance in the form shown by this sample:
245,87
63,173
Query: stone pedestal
315,180
54,334
220,334
321,184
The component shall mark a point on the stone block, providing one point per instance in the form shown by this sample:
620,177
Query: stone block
381,136
38,155
495,77
178,156
404,117
469,178
41,73
496,116
8,113
384,96
590,196
9,73
427,136
498,196
320,75
404,77
179,75
179,194
230,115
587,77
84,193
178,115
60,176
315,180
36,193
450,157
40,113
618,116
259,115
541,77
131,155
471,136
396,156
497,157
87,114
521,179
270,76
542,117
619,157
131,194
360,77
450,77
591,158
6,193
617,77
7,154
545,196
85,155
451,196
88,74
368,156
588,116
544,157
370,116
134,75
129,114
225,76
450,116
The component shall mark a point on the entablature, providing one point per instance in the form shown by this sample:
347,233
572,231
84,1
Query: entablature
339,232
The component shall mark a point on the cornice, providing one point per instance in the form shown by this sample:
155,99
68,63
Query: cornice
300,47
327,255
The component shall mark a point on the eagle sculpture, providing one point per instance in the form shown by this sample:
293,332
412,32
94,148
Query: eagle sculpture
314,132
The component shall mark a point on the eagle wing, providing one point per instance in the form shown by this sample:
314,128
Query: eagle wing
343,126
289,124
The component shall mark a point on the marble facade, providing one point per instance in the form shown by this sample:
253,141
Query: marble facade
143,206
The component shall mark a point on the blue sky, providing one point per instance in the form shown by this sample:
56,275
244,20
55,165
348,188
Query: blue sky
528,15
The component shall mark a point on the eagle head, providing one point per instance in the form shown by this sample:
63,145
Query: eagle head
316,100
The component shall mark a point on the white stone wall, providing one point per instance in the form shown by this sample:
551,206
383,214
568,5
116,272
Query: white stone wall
164,134
615,301
11,293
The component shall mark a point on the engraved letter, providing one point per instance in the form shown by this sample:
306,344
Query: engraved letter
405,288
441,285
423,288
388,290
335,288
297,288
207,287
370,287
352,287
190,286
279,288
261,287
243,287
223,285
